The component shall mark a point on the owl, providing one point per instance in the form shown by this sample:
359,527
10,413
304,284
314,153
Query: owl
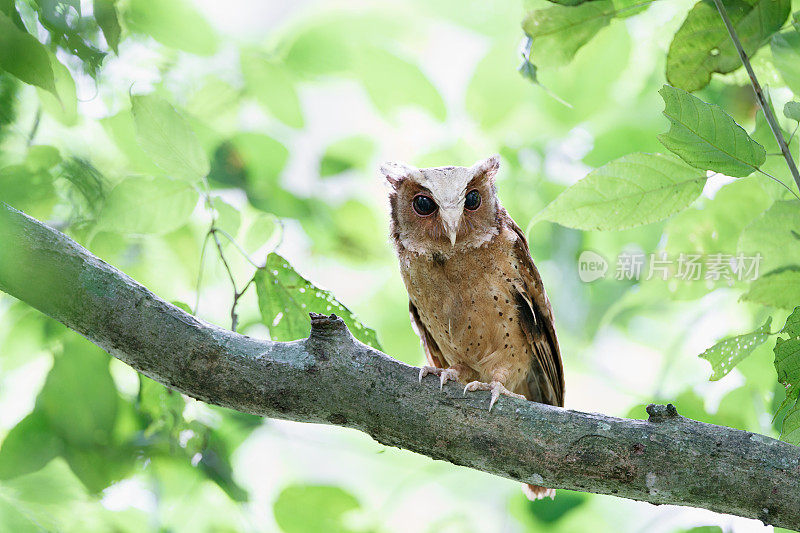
476,299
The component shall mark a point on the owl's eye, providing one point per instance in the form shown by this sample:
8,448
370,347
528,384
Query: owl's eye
424,205
472,200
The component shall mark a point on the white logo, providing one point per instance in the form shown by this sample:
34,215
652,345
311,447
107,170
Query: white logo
591,266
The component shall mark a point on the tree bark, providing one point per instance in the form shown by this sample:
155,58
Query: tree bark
331,378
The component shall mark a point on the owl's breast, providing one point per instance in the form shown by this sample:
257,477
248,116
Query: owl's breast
466,303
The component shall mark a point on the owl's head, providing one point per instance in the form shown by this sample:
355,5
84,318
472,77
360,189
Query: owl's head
442,209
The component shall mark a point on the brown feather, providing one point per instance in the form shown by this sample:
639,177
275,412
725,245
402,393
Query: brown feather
432,352
547,373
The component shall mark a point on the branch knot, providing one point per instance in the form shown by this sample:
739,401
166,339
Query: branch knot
660,413
324,327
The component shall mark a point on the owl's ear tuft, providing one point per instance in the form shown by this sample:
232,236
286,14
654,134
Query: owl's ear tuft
487,168
395,173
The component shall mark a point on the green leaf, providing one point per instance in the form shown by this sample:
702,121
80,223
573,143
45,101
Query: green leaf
558,32
176,24
702,45
147,205
787,358
346,231
260,231
79,398
105,13
42,501
777,289
24,57
393,83
63,103
98,466
772,235
160,408
792,110
791,426
285,298
29,446
67,29
166,137
707,137
785,48
42,157
252,161
215,463
633,190
330,505
729,352
274,88
319,49
28,191
228,217
346,154
121,129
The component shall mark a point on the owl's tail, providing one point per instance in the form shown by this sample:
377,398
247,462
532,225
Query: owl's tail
537,492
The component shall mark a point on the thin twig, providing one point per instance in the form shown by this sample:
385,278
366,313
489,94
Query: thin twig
773,123
236,244
213,231
770,176
792,135
234,316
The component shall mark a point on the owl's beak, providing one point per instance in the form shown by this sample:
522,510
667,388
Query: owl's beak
451,218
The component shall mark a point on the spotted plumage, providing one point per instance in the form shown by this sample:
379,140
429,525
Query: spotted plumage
475,297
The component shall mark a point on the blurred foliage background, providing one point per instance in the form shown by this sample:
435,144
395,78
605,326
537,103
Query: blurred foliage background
162,135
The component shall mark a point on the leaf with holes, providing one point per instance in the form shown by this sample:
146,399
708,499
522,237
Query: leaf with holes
285,299
707,137
729,352
630,191
702,45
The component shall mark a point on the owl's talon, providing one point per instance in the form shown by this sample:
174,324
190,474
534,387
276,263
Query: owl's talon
450,374
495,387
445,374
425,370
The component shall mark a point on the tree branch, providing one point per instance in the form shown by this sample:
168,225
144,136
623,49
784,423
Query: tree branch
331,378
762,101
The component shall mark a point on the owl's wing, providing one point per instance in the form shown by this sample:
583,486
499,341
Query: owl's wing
432,351
545,378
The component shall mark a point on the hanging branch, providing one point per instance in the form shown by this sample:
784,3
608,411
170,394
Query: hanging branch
762,101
